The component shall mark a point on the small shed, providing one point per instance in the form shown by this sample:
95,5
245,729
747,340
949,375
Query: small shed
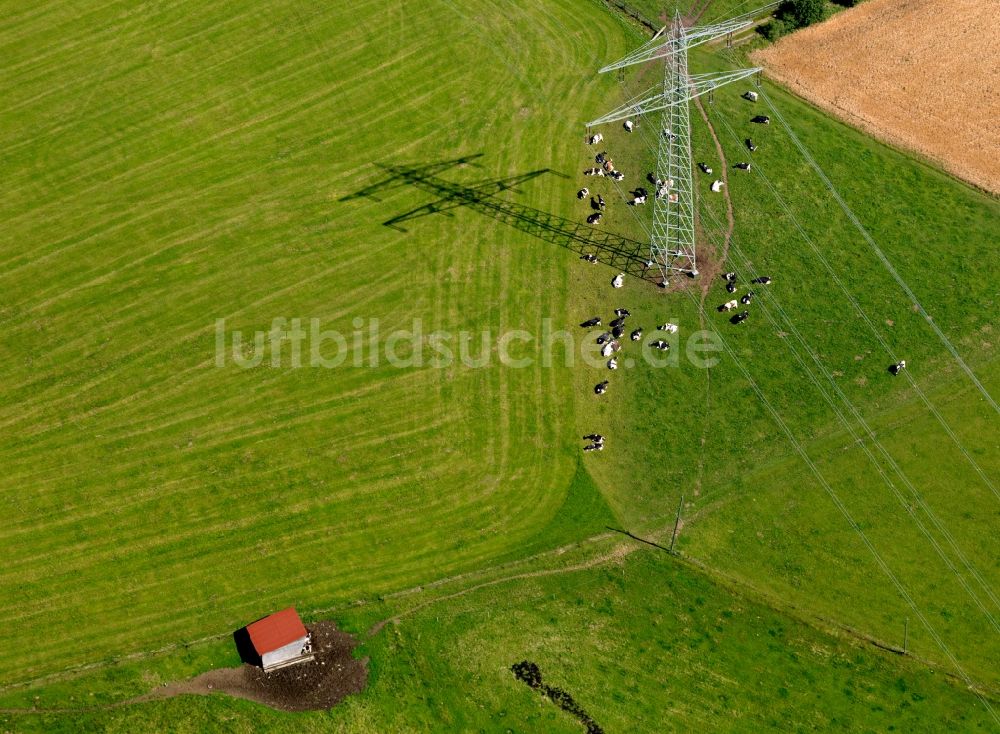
278,640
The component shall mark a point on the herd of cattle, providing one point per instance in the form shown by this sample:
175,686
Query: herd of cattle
610,341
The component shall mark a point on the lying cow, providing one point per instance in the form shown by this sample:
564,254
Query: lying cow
731,287
762,280
751,96
617,175
589,258
629,126
622,312
740,317
661,345
669,328
619,280
594,218
638,201
596,321
761,120
601,387
750,146
618,321
595,437
747,298
612,364
742,166
617,331
731,277
898,367
717,185
705,169
595,139
604,338
607,350
583,193
594,447
636,335
728,306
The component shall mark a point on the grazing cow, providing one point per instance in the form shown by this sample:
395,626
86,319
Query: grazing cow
617,331
600,202
717,185
728,306
751,96
629,125
898,367
601,387
636,335
617,175
594,204
661,345
617,322
750,146
594,447
618,281
589,258
596,321
763,280
668,327
607,350
594,218
612,364
605,337
583,193
594,140
761,120
742,166
705,169
595,437
622,312
740,317
731,287
747,298
731,277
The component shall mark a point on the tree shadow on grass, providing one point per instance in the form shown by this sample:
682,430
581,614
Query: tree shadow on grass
620,252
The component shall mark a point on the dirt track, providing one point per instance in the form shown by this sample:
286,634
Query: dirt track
920,74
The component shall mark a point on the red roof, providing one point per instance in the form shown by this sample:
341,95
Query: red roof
276,630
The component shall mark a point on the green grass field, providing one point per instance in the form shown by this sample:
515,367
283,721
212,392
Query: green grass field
170,164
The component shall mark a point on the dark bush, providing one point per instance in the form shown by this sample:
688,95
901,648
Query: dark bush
807,12
774,29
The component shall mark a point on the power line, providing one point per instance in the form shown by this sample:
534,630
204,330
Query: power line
874,439
880,254
829,268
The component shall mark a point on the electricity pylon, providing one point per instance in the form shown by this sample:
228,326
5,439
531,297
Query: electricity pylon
672,244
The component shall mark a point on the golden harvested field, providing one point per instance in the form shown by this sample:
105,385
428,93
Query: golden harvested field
921,74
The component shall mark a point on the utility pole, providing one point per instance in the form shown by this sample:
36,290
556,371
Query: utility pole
677,524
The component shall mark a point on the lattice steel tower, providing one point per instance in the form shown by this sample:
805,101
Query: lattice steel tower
672,240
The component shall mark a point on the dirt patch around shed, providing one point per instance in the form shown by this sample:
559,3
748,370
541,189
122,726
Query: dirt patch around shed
320,684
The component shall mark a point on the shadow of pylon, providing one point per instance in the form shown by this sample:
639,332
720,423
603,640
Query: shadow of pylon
621,253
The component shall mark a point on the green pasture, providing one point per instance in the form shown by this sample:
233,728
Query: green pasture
170,164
